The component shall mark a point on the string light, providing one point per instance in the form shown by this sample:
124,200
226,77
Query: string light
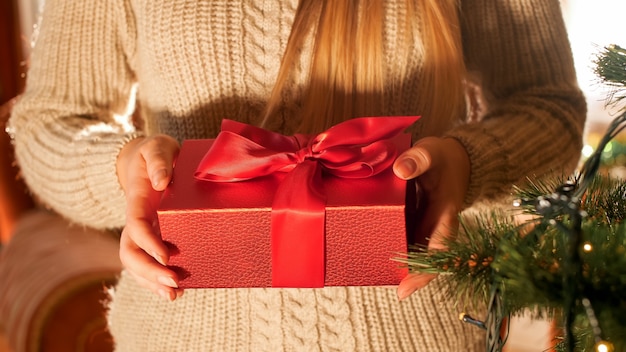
587,151
604,346
587,247
466,318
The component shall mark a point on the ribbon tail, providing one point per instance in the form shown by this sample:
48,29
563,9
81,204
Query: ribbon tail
298,229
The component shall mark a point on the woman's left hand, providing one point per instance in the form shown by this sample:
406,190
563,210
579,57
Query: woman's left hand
441,167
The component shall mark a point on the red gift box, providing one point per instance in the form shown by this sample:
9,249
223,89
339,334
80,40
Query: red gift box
220,234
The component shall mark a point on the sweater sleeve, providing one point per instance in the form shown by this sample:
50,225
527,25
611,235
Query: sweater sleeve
73,118
520,54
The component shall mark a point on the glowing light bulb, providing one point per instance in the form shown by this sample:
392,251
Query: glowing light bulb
587,151
604,346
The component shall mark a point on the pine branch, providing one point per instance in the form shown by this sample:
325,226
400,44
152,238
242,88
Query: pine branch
605,201
526,261
610,67
567,261
467,262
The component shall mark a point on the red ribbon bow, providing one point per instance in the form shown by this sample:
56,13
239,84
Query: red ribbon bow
357,148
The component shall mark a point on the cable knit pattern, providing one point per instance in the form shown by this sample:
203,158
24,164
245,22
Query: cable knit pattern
367,319
299,331
194,63
335,327
265,327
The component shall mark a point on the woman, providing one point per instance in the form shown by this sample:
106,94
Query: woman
292,67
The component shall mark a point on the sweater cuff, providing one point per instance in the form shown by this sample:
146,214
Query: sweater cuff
114,204
487,162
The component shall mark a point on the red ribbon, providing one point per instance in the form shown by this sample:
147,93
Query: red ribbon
357,148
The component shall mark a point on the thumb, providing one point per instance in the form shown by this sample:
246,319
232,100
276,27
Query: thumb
159,154
413,162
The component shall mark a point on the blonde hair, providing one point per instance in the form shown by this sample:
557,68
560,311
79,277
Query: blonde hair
346,77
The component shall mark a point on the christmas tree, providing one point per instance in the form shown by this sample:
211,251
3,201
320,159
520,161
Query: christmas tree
561,254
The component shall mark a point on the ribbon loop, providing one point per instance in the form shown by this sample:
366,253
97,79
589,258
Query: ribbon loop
356,148
304,154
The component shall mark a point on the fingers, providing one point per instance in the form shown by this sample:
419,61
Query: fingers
159,153
166,292
144,255
141,204
145,169
412,283
143,234
441,169
443,229
147,271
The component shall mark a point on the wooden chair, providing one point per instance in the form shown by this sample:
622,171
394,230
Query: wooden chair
53,276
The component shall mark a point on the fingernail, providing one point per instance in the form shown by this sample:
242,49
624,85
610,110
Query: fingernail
167,281
159,258
403,293
180,293
406,167
167,295
157,177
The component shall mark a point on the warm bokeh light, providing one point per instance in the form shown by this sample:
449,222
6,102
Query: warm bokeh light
587,151
604,346
593,25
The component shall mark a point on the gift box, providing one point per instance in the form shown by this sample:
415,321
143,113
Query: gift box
290,218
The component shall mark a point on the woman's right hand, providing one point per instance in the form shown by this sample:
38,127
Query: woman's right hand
144,168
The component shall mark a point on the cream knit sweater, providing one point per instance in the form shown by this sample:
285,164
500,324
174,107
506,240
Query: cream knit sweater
195,62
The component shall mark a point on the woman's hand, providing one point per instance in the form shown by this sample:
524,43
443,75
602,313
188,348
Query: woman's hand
442,169
144,168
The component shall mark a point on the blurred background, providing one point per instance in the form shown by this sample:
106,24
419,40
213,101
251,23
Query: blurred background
18,20
592,25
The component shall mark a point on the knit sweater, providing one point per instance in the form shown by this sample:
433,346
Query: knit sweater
193,63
